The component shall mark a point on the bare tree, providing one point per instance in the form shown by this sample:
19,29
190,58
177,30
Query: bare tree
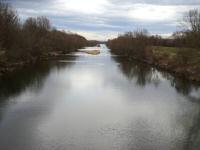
133,44
193,19
9,24
33,38
191,25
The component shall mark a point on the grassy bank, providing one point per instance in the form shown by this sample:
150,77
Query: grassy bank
176,60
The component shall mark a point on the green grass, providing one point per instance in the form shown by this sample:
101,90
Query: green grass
184,61
165,49
170,52
176,55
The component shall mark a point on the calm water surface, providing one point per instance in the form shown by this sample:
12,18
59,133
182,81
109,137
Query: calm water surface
104,102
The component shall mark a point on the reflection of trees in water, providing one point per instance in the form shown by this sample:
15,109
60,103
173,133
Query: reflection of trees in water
12,84
145,74
192,140
182,86
142,73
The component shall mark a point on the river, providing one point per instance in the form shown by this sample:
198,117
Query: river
103,102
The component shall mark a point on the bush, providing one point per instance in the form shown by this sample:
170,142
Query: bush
9,26
132,44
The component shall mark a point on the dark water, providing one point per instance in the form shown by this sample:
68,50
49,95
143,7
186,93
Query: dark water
104,102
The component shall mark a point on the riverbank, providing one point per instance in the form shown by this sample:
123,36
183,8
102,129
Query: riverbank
169,59
6,67
10,66
175,60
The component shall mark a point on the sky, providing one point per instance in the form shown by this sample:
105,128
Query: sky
106,19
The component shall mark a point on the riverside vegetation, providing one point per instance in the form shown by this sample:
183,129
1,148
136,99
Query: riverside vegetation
35,38
179,54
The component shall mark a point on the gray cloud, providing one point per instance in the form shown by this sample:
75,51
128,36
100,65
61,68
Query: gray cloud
115,16
159,2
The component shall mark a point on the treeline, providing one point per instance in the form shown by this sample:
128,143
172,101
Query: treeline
176,40
136,43
33,38
131,44
95,42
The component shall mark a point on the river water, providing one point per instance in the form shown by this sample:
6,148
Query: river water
103,102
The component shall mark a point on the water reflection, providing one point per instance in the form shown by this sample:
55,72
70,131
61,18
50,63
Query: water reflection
143,75
30,77
97,102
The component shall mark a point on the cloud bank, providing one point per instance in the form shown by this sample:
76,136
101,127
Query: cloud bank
104,19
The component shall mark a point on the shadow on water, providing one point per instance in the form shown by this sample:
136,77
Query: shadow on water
33,77
140,72
12,84
182,86
144,74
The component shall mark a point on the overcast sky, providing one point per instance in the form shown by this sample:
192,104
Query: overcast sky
104,19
